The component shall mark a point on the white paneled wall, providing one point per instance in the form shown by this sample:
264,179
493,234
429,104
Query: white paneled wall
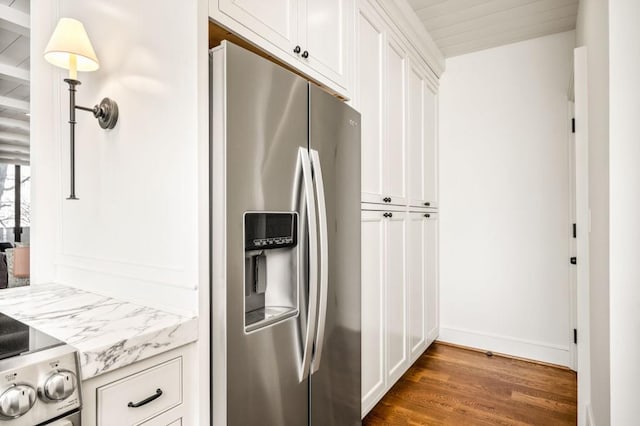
136,231
504,203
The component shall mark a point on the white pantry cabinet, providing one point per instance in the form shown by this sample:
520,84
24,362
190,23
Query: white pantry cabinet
400,294
313,36
384,318
396,94
422,280
373,304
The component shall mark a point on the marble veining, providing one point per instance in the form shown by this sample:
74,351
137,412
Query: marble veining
109,333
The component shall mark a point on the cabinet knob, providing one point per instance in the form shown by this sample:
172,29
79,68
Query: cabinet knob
297,49
305,54
427,204
388,214
387,199
427,215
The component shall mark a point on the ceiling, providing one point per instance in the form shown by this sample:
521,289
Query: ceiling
14,81
464,26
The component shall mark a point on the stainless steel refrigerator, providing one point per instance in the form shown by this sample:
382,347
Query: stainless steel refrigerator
285,246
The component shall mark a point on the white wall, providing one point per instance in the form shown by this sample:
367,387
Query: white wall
592,31
136,231
504,185
625,210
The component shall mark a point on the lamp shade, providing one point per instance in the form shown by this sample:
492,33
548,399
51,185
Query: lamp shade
70,48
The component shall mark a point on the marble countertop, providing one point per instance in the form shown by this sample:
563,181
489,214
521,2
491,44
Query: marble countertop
109,333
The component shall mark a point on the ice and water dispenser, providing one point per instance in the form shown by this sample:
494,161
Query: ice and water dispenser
271,268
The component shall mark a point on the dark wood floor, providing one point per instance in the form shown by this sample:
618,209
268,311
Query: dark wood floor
453,386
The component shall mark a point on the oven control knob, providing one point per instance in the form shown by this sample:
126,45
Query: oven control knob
16,401
59,385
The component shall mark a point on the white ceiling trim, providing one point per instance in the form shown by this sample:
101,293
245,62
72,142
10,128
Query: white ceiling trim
14,137
15,21
14,124
16,104
18,75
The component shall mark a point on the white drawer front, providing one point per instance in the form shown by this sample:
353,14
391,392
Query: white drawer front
167,419
113,399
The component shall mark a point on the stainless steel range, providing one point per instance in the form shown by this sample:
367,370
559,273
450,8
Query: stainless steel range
38,378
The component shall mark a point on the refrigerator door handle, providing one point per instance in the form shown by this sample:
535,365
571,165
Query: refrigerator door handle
313,264
324,260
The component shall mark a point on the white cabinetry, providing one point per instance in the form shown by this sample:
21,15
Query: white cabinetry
395,295
396,95
370,98
400,294
431,240
395,188
373,304
422,279
384,313
422,168
313,36
158,391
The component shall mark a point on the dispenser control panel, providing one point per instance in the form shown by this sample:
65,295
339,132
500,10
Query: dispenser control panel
270,230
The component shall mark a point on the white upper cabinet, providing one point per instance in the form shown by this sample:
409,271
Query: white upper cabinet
370,103
324,31
381,92
430,161
313,36
422,170
415,137
396,93
395,186
275,20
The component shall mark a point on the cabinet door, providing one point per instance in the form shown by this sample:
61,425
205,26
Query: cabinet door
369,96
415,137
430,146
373,376
417,284
430,238
274,20
324,35
396,296
395,135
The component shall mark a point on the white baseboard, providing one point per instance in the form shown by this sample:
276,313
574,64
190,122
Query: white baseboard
590,420
538,351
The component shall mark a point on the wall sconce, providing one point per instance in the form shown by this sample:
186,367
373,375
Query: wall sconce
70,48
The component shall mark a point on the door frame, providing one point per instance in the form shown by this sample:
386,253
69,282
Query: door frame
583,220
573,291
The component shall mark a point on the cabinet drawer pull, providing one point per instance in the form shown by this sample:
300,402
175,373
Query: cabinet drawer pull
387,199
305,54
388,215
297,49
145,401
427,204
427,215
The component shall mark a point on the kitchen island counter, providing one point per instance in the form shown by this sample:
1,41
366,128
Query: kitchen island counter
108,333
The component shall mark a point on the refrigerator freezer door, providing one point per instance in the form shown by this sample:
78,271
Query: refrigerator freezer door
266,118
335,382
